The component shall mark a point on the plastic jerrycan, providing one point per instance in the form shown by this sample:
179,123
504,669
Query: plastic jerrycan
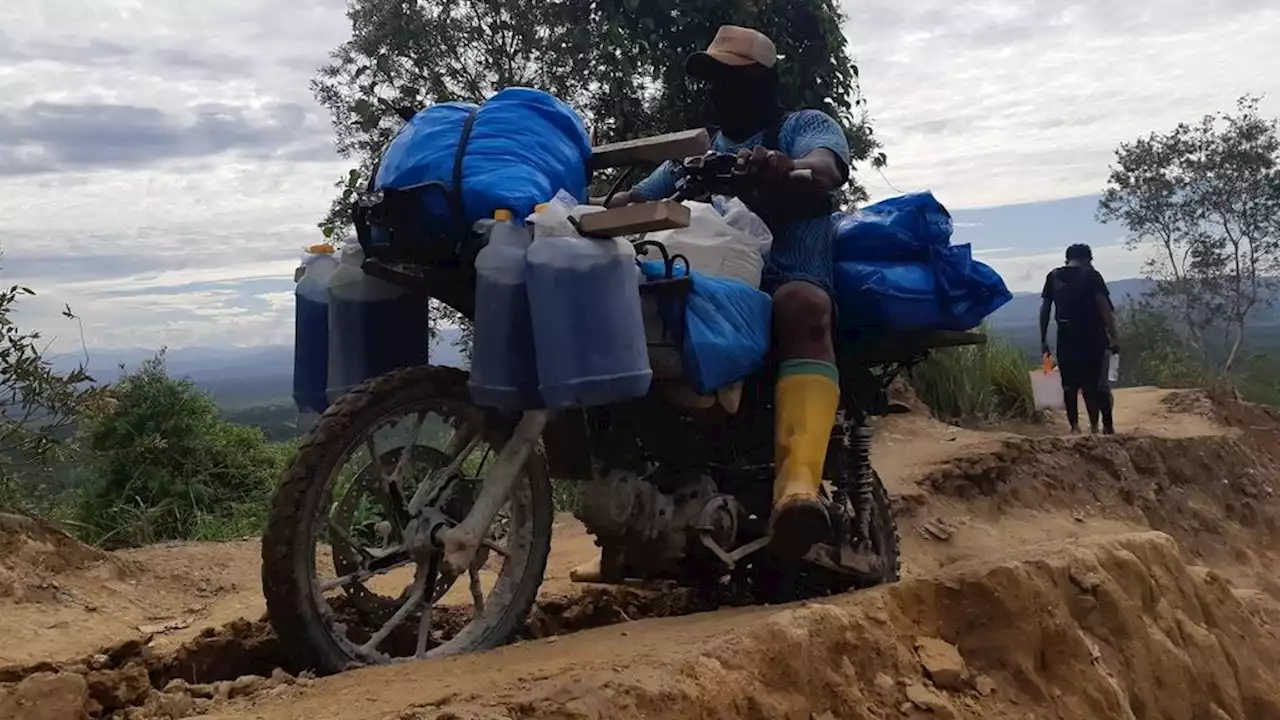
311,328
504,374
584,299
1046,386
374,326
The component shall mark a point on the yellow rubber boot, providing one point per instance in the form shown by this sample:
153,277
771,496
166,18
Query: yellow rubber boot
807,397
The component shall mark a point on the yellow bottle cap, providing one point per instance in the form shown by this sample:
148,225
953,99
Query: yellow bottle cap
321,249
540,207
503,215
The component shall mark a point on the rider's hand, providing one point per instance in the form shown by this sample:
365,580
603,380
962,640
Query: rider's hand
771,167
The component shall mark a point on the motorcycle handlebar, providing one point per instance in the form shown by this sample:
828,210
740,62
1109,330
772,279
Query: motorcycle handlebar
721,174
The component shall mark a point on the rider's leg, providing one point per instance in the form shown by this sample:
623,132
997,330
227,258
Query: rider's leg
807,398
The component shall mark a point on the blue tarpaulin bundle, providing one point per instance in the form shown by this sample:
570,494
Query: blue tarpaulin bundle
524,146
897,270
900,228
726,328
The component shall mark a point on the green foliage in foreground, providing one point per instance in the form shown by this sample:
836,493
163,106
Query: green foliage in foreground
168,468
980,382
1157,353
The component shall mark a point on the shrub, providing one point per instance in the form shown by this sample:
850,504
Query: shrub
168,468
978,382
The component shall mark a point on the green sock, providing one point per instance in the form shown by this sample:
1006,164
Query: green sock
809,367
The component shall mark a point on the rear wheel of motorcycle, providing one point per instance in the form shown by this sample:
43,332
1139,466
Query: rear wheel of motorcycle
322,636
884,535
774,581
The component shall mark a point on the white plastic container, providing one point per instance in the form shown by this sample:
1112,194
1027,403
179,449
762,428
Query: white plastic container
1046,389
311,328
716,248
1113,368
504,374
584,300
374,326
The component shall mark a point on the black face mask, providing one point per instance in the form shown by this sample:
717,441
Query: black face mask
743,105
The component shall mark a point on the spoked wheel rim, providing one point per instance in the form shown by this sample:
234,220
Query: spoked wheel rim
375,577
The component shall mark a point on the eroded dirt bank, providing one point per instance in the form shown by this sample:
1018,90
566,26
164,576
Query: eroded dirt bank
1117,627
1095,617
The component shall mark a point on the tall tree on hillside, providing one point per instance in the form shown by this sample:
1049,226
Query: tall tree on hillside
1205,198
619,62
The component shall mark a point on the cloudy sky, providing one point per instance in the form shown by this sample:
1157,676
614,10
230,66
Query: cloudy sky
162,161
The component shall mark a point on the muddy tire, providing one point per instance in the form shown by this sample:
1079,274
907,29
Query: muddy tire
774,581
884,532
297,612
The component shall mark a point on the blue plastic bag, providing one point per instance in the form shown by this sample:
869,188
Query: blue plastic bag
726,329
907,227
525,145
951,292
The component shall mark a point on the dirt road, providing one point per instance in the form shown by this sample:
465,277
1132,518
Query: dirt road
1028,558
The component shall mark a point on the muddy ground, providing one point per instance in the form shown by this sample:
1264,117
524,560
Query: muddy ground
1044,577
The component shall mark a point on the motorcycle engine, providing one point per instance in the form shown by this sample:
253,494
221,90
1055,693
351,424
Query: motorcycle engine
651,524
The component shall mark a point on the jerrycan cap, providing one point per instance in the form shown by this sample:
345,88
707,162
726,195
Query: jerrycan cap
320,249
503,215
540,207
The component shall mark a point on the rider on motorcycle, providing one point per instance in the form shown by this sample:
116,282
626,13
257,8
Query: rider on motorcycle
740,70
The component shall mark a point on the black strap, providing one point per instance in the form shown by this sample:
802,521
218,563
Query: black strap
455,194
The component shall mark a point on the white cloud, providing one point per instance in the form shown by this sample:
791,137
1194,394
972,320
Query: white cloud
192,238
1026,273
1002,102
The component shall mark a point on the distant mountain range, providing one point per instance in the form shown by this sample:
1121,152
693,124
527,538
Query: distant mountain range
236,377
240,378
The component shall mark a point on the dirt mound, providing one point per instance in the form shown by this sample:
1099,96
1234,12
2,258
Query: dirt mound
1259,424
74,599
1107,628
34,553
1093,621
135,679
1216,495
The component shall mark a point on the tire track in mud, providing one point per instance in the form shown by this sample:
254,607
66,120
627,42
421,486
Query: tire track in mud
1109,628
1215,495
245,657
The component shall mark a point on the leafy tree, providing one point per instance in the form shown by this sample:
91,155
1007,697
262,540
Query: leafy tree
1206,199
168,468
38,405
1155,353
1260,380
620,62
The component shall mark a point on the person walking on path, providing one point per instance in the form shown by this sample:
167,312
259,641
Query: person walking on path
1087,336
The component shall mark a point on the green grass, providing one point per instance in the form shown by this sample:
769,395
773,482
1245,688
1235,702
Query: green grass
988,382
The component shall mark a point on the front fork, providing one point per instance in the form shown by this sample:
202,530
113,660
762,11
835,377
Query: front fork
460,543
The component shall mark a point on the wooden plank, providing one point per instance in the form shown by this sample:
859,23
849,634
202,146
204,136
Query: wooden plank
672,146
635,219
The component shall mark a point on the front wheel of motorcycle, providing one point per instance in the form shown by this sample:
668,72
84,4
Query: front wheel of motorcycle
349,579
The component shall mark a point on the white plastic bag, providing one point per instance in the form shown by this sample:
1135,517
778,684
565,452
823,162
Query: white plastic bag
553,220
1046,389
740,217
716,248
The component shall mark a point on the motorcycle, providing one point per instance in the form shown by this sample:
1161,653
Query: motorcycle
403,488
